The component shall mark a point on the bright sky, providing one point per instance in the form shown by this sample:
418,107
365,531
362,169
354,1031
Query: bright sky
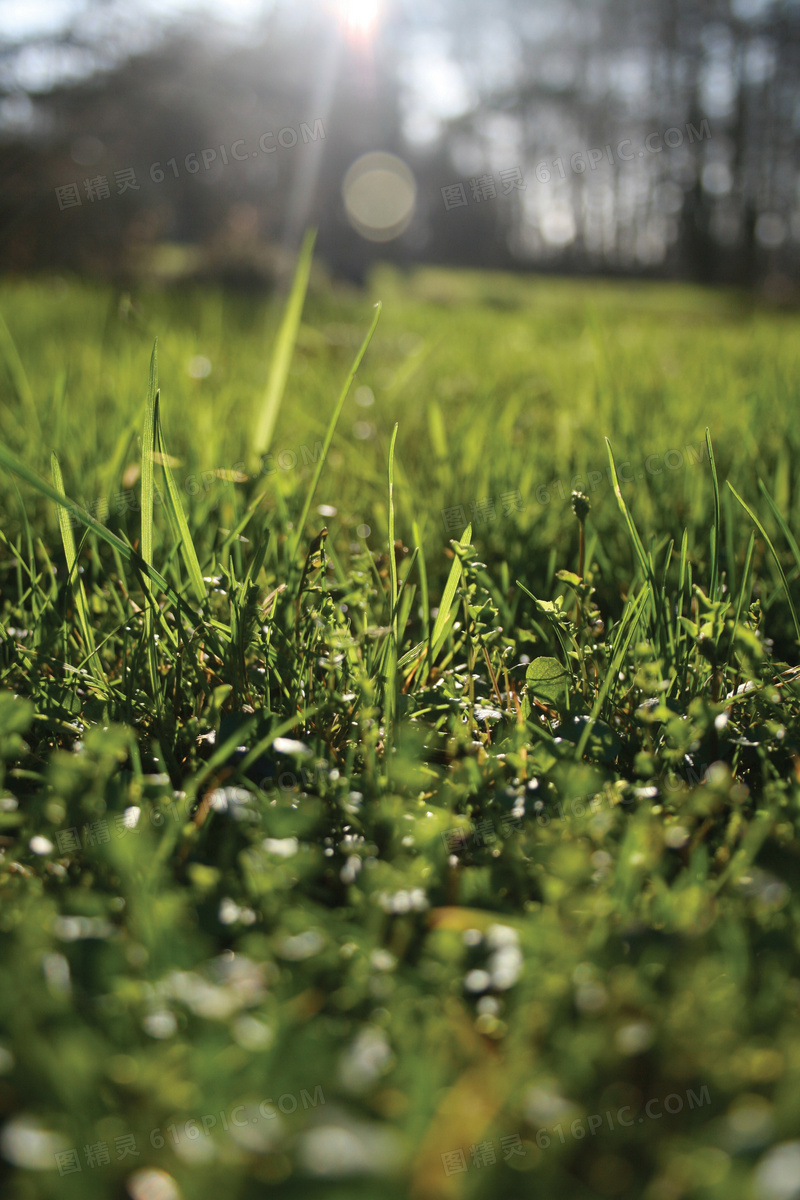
435,88
23,18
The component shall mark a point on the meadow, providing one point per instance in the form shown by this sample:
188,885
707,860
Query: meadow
399,766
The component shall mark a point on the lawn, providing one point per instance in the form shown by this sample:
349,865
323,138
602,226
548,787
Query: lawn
377,818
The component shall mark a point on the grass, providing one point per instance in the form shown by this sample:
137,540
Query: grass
362,803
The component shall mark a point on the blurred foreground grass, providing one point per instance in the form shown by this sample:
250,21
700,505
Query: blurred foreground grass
401,861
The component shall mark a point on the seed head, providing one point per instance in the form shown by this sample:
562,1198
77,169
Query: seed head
580,505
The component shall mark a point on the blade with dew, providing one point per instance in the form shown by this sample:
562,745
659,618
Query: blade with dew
330,432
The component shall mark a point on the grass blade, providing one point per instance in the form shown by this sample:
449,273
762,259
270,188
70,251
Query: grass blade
423,581
641,554
330,432
176,513
628,627
284,346
748,560
392,556
715,544
148,447
778,515
774,554
10,461
19,377
81,604
146,542
445,608
644,561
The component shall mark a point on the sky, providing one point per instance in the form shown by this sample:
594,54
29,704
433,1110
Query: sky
435,88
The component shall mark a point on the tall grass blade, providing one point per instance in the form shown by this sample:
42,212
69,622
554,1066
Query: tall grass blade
641,554
628,627
445,608
146,540
148,448
748,560
392,555
778,515
81,603
330,432
391,651
774,554
19,376
284,346
175,511
644,561
423,581
10,461
715,543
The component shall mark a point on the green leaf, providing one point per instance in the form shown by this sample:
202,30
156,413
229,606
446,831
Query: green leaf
16,714
570,578
602,744
549,680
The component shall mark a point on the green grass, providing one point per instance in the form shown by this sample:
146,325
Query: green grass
329,781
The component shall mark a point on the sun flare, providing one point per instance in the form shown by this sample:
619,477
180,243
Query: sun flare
360,16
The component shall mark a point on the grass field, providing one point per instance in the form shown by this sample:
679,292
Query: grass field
453,853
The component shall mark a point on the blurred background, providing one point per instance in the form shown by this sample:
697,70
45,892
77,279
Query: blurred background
182,140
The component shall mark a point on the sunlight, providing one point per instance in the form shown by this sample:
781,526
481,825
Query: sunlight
360,16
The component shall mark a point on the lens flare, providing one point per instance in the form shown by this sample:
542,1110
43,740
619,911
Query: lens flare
379,192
